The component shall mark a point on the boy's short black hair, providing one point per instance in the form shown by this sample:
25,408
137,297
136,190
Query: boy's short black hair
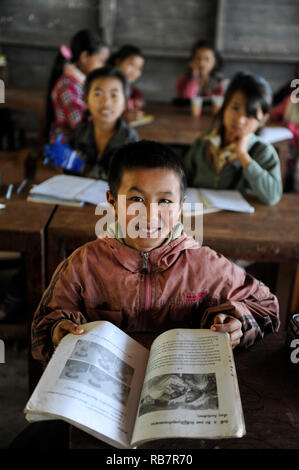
144,154
123,53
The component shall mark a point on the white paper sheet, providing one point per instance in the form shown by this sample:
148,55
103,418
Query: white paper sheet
62,186
227,199
95,193
274,134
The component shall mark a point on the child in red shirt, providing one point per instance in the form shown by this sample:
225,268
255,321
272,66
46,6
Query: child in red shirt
65,104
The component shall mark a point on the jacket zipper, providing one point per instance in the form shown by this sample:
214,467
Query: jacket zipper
146,270
147,280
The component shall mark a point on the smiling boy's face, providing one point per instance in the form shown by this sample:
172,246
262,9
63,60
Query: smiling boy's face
154,196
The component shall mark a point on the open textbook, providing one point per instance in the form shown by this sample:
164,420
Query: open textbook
109,385
76,190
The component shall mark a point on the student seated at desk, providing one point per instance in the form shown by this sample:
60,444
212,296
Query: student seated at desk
231,156
150,277
288,112
202,78
130,60
102,129
65,104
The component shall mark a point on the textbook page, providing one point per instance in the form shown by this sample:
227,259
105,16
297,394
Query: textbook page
94,193
190,388
227,199
93,381
193,196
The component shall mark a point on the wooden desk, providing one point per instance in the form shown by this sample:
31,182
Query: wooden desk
268,384
23,227
174,124
13,170
271,233
28,99
22,221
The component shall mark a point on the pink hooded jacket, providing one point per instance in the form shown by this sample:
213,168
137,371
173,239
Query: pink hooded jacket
176,285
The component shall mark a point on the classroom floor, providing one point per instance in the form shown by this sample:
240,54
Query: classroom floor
13,392
13,372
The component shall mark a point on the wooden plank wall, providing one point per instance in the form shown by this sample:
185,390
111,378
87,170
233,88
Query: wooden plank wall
31,31
45,23
164,28
264,30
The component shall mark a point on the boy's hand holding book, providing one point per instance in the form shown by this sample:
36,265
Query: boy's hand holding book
63,328
227,324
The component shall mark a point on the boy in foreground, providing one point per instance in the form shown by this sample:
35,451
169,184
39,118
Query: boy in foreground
149,275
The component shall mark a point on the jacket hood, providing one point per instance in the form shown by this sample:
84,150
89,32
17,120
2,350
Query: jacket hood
160,258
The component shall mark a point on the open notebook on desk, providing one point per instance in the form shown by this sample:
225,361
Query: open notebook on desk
76,190
69,190
214,200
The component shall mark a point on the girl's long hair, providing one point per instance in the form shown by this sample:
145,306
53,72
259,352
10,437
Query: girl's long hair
84,40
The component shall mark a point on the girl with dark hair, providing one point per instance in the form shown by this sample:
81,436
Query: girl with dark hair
90,147
65,103
130,60
202,78
232,156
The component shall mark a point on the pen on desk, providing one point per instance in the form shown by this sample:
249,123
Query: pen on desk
9,191
22,186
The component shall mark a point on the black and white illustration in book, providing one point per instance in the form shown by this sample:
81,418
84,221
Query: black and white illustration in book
95,366
179,391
